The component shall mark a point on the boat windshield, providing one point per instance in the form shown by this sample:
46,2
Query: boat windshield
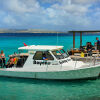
60,54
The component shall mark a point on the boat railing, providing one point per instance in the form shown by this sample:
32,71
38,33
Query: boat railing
75,62
94,60
89,61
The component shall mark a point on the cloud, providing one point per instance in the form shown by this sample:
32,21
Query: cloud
49,14
9,20
85,1
67,12
21,6
70,1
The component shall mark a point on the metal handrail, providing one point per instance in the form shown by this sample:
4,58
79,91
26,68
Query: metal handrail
75,63
92,61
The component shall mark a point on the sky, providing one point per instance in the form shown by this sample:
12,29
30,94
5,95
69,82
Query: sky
60,15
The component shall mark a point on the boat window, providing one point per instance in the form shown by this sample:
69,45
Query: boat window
38,55
63,53
57,54
43,55
60,54
48,55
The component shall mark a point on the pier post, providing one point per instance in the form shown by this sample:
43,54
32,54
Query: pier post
73,39
80,38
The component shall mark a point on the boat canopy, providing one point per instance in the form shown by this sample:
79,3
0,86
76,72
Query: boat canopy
40,47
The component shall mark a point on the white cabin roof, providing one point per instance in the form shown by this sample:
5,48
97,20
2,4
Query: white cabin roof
40,47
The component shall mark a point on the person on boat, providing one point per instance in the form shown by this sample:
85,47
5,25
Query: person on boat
15,59
98,44
44,57
95,45
89,48
2,56
1,61
10,63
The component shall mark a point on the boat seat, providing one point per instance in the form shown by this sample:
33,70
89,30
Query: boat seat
19,63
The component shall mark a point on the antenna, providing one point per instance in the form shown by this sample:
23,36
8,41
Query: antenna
57,38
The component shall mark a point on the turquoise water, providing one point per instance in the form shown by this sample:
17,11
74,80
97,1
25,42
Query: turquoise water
29,89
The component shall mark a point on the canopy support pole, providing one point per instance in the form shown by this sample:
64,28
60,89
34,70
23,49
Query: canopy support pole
73,39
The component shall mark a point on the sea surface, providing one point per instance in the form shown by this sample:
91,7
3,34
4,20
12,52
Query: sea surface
30,89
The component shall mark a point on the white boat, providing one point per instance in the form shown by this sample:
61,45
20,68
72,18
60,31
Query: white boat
49,62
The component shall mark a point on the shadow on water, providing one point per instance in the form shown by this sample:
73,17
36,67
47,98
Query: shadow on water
85,98
49,82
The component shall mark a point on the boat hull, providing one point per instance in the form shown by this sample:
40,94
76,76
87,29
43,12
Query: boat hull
56,75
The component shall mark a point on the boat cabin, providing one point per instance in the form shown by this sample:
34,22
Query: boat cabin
41,55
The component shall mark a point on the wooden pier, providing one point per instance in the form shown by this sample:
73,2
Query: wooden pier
81,32
76,53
